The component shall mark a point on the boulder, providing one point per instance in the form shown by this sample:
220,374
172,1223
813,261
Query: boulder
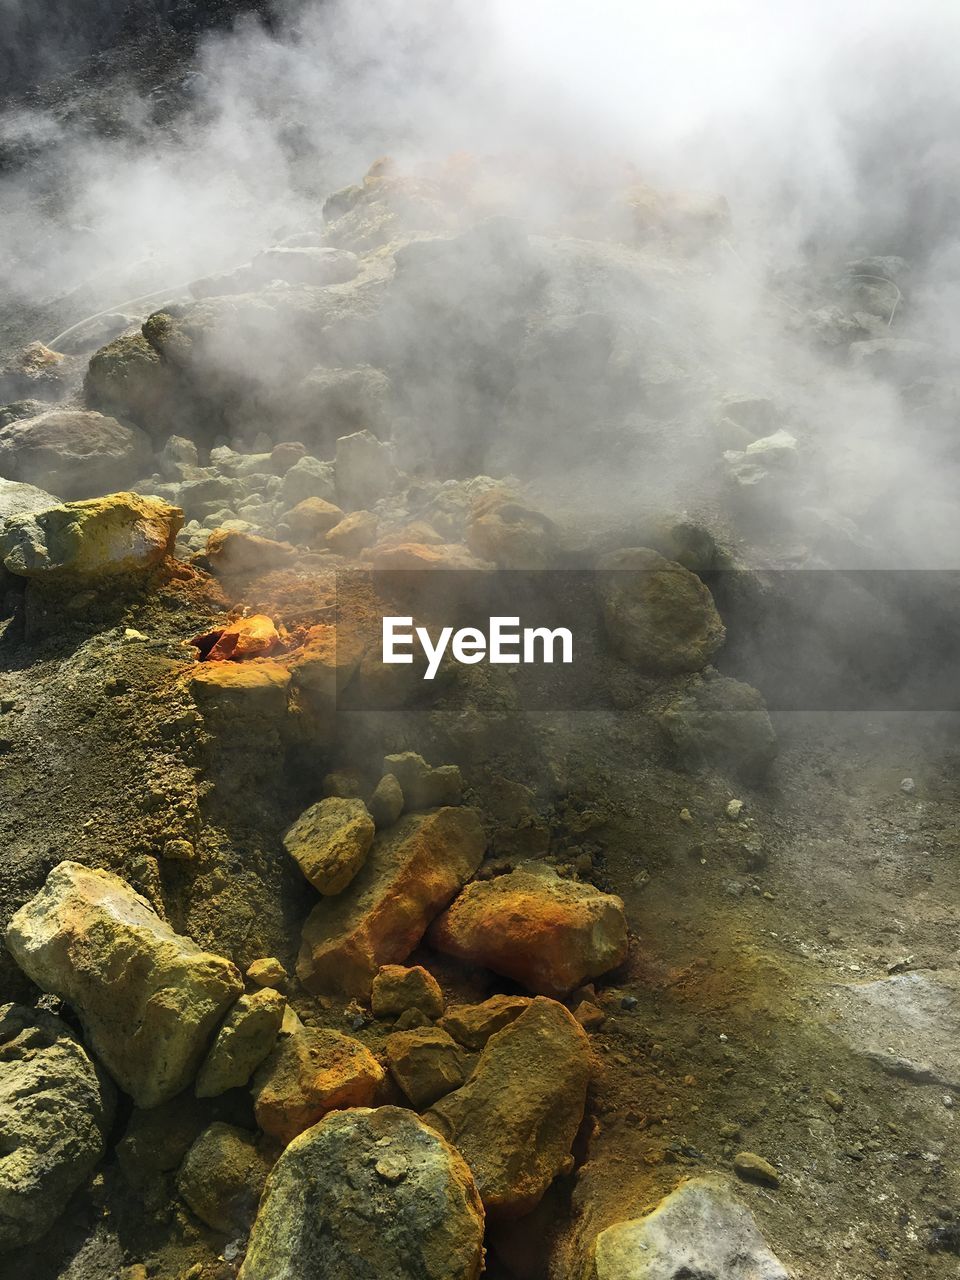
74,453
546,933
658,615
907,1024
515,1119
247,1035
222,1177
472,1025
365,469
149,999
231,551
330,841
308,477
511,534
368,1195
101,537
397,989
721,723
305,265
55,1112
19,499
424,787
128,377
36,371
311,519
411,873
426,1063
700,1229
353,534
309,1073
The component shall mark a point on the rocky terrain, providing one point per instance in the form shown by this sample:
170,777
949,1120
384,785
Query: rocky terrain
643,970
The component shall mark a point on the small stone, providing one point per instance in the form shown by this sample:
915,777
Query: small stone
179,850
353,534
310,520
330,842
753,1168
734,809
411,1018
686,815
422,786
267,972
589,1015
246,1037
396,989
833,1100
426,1064
908,786
386,803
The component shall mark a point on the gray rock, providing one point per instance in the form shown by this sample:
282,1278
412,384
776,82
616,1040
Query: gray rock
366,470
19,499
222,1177
908,1024
721,723
308,478
55,1111
699,1232
305,265
368,1195
73,453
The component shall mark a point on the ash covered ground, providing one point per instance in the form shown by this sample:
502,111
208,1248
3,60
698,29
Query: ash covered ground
317,968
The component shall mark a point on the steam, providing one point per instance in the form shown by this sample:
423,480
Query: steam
830,131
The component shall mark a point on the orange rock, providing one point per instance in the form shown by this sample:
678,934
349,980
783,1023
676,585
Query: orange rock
230,551
549,934
419,555
246,638
309,1073
412,871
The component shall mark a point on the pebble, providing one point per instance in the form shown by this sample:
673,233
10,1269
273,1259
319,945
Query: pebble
629,1002
753,1168
686,815
734,809
908,785
833,1100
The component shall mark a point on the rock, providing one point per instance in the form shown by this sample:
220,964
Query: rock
35,370
243,1041
244,703
360,1168
699,1230
403,557
308,265
222,1177
267,972
386,803
250,637
426,1063
310,1073
120,534
331,402
658,615
512,535
721,723
73,453
753,1168
412,871
365,470
308,478
156,1140
515,1120
396,989
310,520
354,533
55,1113
908,1024
19,499
472,1025
128,377
422,786
148,998
762,461
548,934
229,551
330,841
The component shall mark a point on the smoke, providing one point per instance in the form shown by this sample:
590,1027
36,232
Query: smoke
829,131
